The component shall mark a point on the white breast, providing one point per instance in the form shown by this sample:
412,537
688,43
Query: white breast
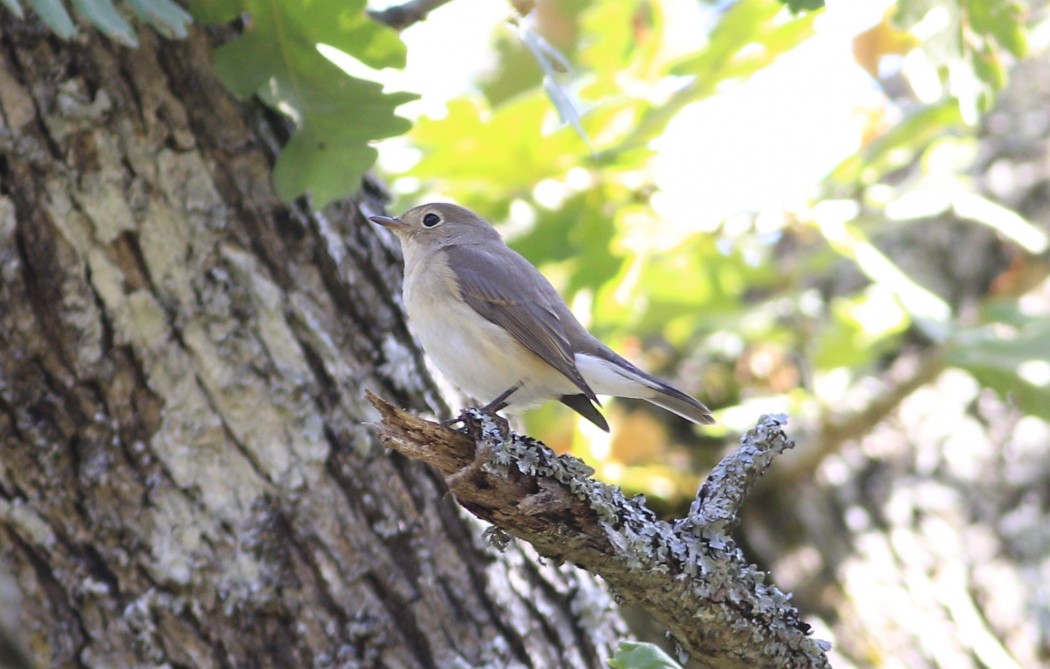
477,355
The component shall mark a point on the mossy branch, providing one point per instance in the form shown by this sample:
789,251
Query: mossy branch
688,574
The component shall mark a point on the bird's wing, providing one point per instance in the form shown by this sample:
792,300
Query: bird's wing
508,291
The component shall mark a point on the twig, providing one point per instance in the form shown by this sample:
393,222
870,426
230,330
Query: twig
400,17
719,500
689,575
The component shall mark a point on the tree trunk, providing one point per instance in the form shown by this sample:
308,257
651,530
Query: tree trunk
187,473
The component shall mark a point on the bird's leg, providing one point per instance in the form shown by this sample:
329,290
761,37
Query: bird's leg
499,403
491,408
501,400
484,452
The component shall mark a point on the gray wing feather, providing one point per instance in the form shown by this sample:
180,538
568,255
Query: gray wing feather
508,291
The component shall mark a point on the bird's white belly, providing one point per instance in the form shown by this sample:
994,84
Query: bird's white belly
475,354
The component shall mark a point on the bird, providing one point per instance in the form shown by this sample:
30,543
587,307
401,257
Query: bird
497,328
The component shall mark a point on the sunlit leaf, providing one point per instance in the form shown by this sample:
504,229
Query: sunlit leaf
861,328
741,25
614,21
336,115
750,36
898,147
1007,222
578,233
1001,19
505,147
928,310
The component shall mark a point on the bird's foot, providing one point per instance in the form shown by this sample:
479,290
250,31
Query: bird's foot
470,420
474,423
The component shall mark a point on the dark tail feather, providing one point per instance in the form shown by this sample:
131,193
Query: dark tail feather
676,401
582,405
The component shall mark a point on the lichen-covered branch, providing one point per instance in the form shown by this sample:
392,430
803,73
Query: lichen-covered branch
688,574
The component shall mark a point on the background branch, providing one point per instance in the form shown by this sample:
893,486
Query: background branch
689,574
905,378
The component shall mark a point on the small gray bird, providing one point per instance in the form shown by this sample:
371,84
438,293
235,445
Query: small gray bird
499,330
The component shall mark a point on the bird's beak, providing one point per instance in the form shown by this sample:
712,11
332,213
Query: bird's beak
387,221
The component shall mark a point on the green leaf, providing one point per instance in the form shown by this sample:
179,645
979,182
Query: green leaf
740,26
897,148
165,16
862,328
750,36
505,149
104,16
634,655
343,25
1030,398
577,234
216,11
1001,346
54,14
516,73
329,154
797,6
336,115
615,21
1001,19
997,354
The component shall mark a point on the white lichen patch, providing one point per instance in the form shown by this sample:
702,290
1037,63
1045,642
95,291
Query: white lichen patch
29,524
193,443
399,364
164,242
177,537
104,204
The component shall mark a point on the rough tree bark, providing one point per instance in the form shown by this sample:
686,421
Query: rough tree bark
186,474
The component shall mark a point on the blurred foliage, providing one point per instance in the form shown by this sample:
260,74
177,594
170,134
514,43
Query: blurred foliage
792,309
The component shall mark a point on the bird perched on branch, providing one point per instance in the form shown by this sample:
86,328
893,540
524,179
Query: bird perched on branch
499,330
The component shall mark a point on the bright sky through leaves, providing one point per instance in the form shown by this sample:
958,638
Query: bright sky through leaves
754,148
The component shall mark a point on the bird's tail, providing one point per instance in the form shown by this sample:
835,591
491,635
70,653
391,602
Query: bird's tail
676,401
609,374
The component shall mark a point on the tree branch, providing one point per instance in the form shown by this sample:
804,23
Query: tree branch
688,574
400,17
904,378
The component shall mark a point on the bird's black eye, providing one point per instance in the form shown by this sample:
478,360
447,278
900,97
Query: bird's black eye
431,220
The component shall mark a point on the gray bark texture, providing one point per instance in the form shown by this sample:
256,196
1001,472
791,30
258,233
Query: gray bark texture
188,477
